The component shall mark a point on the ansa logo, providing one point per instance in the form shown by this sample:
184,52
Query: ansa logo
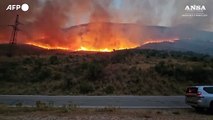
195,8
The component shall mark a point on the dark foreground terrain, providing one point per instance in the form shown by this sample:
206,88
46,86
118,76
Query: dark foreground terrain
127,72
107,113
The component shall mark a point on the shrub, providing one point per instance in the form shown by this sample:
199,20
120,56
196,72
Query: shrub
92,71
86,87
40,105
109,89
27,61
19,104
44,74
68,82
107,109
119,57
53,60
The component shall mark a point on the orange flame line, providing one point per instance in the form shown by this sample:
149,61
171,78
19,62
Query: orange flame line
47,46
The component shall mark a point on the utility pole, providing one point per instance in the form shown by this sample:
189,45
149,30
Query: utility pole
15,30
13,37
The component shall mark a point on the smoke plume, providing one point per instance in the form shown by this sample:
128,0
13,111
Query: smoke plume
47,20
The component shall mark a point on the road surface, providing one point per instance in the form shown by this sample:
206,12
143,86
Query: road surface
98,101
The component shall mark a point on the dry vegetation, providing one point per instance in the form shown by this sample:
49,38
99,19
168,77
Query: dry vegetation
21,113
127,72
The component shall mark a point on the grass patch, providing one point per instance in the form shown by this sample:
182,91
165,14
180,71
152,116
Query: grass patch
107,109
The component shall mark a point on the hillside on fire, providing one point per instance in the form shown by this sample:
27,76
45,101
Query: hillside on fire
125,72
107,25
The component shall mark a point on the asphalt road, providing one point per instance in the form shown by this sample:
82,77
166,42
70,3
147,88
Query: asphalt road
98,101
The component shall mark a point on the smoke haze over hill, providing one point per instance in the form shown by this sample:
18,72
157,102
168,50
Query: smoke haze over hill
43,24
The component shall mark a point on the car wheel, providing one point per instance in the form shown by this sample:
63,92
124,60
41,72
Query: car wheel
211,108
199,109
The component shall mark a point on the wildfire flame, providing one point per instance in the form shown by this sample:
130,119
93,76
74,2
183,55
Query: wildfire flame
88,47
48,28
169,40
97,37
109,49
46,46
82,48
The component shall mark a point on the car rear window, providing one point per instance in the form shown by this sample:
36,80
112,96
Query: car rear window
192,90
208,90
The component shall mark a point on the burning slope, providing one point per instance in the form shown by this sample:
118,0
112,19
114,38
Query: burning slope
106,37
44,24
102,37
44,28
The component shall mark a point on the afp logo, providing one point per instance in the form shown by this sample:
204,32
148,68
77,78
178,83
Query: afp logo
24,7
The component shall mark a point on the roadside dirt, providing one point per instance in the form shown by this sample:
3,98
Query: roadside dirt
107,114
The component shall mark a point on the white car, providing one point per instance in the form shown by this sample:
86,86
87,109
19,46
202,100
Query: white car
200,97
